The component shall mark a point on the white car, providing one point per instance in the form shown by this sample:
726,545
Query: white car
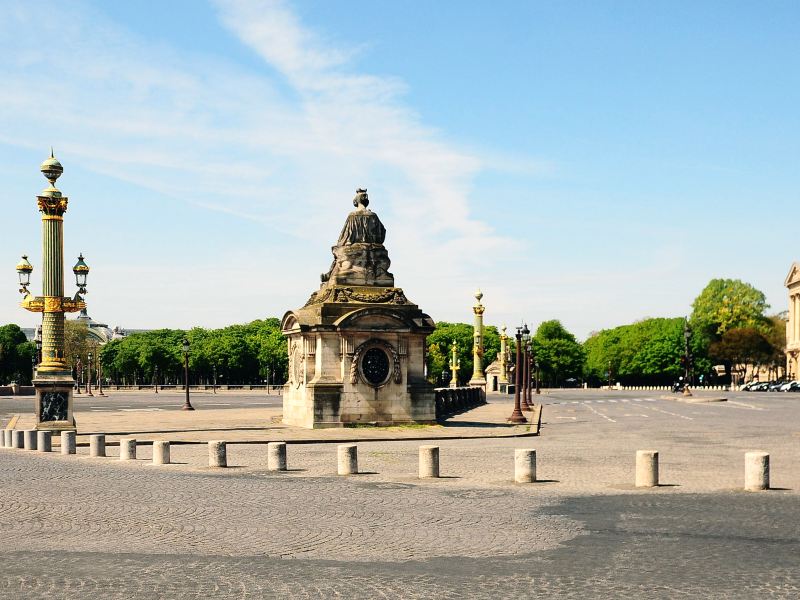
787,386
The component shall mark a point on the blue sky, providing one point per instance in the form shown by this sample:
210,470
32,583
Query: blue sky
595,162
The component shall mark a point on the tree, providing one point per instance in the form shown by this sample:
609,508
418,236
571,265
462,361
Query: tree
726,304
559,355
16,355
644,353
740,348
440,343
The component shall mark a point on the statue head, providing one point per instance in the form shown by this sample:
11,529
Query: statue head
361,200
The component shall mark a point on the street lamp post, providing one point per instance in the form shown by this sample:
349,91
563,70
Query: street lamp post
78,367
155,378
455,365
54,383
187,405
526,369
100,376
516,416
89,375
214,384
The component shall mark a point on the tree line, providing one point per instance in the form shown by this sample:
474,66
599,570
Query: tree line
728,326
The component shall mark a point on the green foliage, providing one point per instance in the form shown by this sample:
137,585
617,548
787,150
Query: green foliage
439,349
726,304
559,355
240,353
647,352
742,346
16,354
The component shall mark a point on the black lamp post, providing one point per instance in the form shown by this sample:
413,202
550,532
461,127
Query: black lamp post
687,334
78,367
517,417
186,405
526,368
214,385
89,375
155,378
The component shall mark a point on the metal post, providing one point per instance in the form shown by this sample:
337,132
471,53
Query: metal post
526,376
187,405
89,377
517,417
100,376
155,377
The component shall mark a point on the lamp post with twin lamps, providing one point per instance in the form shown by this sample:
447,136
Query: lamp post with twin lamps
526,368
53,383
517,417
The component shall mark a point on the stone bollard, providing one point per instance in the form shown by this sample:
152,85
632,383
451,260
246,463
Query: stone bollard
17,440
646,468
68,442
276,456
127,449
217,454
5,438
30,439
524,465
161,453
8,434
428,461
756,471
44,441
97,445
348,459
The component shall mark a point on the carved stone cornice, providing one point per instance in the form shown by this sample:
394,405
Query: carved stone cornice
348,294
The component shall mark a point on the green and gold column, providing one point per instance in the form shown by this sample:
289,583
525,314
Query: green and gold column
503,356
455,365
478,378
54,382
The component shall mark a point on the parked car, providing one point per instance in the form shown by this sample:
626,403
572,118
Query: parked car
775,386
760,387
794,386
748,387
787,386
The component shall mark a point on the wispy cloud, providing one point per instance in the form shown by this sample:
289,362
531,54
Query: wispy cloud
209,132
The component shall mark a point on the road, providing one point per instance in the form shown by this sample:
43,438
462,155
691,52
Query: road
103,528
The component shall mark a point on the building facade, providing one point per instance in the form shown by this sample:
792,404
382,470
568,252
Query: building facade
792,284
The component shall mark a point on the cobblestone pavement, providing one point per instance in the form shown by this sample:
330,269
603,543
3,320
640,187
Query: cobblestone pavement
102,528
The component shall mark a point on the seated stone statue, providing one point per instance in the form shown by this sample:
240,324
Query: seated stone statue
362,226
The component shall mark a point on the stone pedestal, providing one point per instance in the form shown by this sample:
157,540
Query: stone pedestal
54,402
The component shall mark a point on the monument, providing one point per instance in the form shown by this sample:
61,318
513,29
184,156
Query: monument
53,382
357,347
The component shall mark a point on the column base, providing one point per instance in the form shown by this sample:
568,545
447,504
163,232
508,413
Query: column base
54,402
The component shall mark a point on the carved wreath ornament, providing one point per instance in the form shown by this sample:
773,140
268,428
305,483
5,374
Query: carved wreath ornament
375,343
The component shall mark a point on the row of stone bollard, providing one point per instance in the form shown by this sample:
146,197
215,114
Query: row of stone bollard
756,470
756,463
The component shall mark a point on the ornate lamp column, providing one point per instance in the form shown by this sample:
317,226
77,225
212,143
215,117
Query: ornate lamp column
54,382
503,356
516,416
478,378
455,365
526,369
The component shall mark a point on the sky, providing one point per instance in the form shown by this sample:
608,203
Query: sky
593,162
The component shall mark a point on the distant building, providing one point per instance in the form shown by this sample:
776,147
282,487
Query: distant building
792,284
